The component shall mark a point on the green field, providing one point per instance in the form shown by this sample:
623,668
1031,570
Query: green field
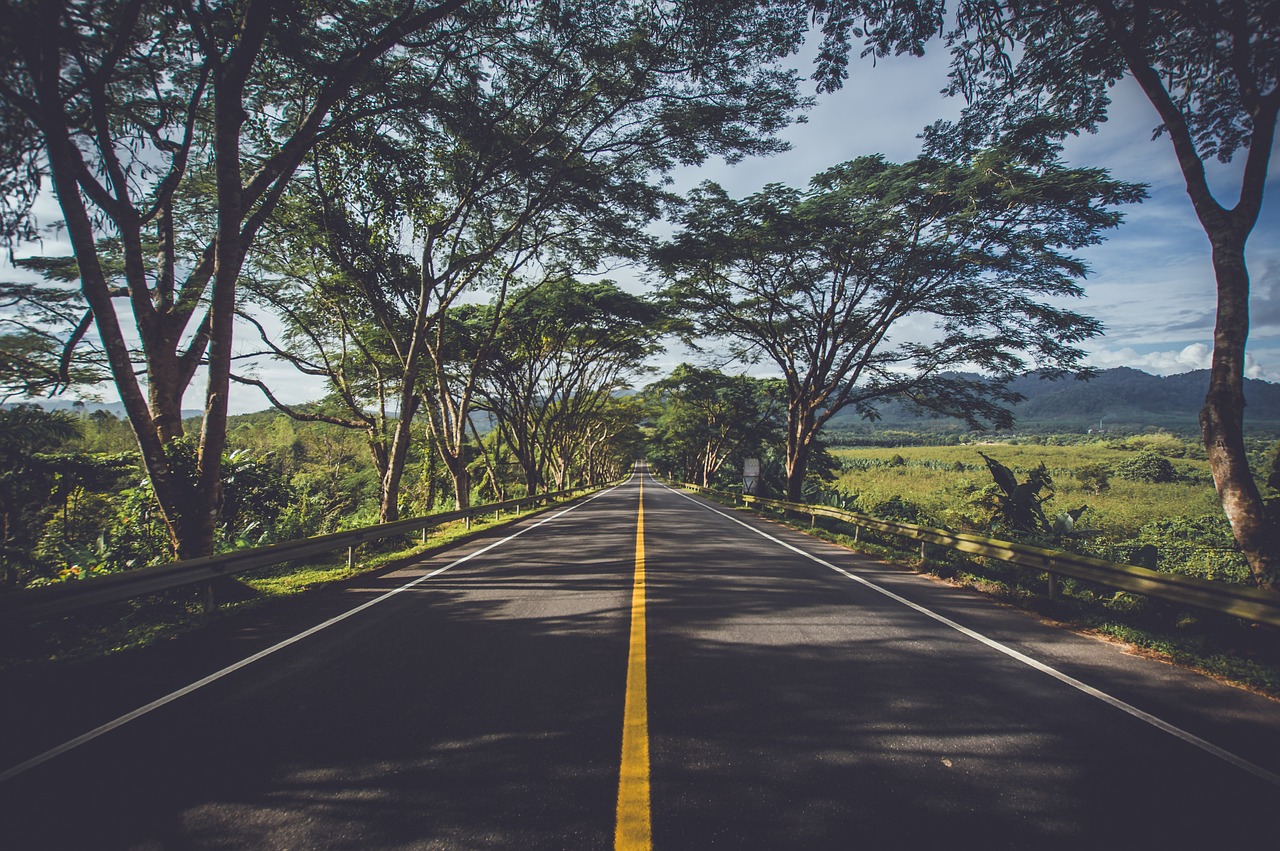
932,480
1180,521
951,487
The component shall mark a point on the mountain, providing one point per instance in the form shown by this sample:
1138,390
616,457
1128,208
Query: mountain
1119,398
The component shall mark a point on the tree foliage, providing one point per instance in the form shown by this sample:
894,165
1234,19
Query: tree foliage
542,158
562,350
1044,69
703,421
823,283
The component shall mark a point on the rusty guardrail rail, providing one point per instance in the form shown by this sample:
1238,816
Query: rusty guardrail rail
1252,604
33,604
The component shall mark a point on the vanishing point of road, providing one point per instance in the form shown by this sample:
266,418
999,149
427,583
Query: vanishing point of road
640,669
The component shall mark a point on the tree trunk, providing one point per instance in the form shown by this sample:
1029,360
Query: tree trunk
800,431
461,479
393,473
1222,418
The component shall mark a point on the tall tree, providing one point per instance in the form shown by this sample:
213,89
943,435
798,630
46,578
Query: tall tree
181,125
1212,72
821,284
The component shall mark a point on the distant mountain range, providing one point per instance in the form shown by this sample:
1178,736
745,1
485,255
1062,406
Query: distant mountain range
1119,398
116,408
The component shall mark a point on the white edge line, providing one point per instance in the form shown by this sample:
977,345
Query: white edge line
261,654
1158,723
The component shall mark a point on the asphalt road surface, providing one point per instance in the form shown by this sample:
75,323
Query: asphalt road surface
775,692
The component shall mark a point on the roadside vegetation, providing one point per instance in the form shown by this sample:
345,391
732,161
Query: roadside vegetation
1137,492
137,623
75,503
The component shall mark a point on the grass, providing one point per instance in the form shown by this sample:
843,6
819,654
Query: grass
931,478
133,624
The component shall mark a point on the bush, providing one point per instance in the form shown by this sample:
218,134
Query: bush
1162,443
1147,466
1094,477
896,508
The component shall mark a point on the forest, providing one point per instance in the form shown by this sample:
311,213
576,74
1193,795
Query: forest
421,206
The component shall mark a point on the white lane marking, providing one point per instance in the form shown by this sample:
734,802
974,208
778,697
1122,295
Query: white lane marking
1158,723
261,654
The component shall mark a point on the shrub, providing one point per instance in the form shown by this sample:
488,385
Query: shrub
1162,443
1094,477
1147,466
896,508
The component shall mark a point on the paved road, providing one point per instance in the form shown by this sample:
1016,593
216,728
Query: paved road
789,705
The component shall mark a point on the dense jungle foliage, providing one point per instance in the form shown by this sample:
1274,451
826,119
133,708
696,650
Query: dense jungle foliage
74,501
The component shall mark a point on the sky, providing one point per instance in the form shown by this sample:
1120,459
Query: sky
1151,281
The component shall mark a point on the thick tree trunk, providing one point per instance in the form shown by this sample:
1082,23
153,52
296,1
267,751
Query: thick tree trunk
800,431
392,473
1222,418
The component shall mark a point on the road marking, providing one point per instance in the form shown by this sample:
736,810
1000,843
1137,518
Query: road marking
633,829
262,654
1117,703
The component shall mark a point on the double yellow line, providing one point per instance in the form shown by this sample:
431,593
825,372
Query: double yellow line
633,829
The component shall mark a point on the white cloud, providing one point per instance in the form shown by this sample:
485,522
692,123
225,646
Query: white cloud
1194,356
1173,361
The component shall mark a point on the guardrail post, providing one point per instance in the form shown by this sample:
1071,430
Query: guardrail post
1053,585
922,550
207,603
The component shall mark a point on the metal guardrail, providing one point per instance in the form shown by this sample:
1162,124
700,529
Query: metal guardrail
34,604
1252,604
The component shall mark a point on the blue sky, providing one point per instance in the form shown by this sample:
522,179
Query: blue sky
1151,283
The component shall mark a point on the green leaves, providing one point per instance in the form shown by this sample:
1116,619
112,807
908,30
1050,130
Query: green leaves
881,280
702,421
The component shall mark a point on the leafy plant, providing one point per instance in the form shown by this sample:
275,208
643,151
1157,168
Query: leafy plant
1094,477
1020,504
1147,466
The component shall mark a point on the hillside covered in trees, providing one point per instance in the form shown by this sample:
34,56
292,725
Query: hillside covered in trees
1119,399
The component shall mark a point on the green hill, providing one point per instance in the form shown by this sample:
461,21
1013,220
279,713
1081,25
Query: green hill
1121,399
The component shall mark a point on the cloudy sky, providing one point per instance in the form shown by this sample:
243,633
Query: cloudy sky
1151,282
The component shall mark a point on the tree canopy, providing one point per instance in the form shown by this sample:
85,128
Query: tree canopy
822,284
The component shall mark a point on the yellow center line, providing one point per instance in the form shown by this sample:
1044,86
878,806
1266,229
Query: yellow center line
633,830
